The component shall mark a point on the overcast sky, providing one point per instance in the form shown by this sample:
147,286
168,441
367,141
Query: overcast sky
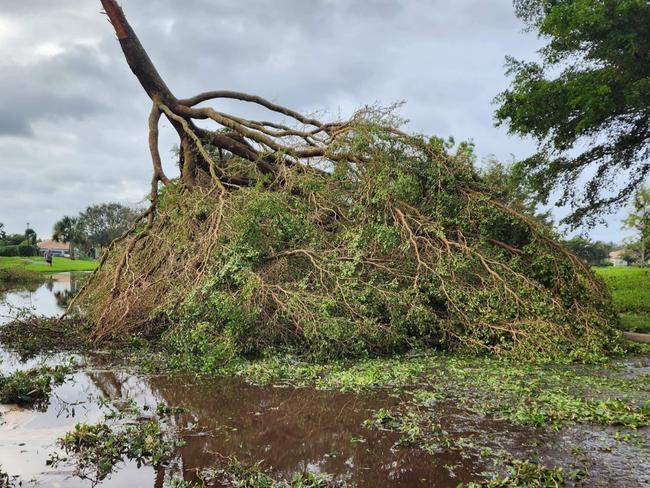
73,117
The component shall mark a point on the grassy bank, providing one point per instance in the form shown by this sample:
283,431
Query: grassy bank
630,289
37,264
9,276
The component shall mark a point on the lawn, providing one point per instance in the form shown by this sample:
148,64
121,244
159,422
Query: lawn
38,264
630,289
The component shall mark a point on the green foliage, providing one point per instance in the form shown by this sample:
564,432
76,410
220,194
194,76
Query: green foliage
592,253
12,239
24,250
95,449
237,474
590,90
18,275
630,288
9,251
639,221
31,335
510,184
69,229
523,474
636,322
27,250
105,222
411,249
31,387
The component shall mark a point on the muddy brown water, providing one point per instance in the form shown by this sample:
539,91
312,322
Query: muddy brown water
288,430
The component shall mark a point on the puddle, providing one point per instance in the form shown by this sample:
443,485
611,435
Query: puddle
289,430
49,298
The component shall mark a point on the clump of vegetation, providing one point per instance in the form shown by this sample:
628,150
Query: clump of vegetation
29,335
407,250
343,239
31,387
532,394
95,449
238,474
6,481
18,275
537,395
523,474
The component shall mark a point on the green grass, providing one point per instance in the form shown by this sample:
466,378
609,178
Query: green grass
630,289
38,264
635,322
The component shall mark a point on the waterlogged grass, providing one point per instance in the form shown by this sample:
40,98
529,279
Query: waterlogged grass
31,387
532,394
522,393
37,264
362,375
236,473
630,288
523,474
30,335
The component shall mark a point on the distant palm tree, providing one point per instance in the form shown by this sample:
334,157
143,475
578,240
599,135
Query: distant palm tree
69,230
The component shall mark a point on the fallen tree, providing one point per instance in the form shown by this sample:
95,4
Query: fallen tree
333,239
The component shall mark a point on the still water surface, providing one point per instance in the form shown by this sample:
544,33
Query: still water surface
290,430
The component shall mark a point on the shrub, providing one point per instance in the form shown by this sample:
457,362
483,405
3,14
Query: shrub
27,250
9,251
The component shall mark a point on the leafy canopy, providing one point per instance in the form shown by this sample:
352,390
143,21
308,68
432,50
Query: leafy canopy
639,221
105,222
586,101
69,230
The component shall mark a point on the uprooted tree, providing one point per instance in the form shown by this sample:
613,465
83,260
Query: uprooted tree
333,239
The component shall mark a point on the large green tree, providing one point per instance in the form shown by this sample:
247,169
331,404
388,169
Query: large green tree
586,102
105,222
589,251
639,221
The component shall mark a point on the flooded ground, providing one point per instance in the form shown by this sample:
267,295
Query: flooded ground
288,430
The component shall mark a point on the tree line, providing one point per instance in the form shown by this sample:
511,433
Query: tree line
86,234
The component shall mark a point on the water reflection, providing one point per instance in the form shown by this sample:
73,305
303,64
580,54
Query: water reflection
49,298
290,430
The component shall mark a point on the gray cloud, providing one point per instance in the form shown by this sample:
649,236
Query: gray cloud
73,117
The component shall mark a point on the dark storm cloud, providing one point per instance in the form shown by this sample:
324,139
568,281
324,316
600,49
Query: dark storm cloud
73,117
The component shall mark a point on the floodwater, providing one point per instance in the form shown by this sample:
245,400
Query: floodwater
288,430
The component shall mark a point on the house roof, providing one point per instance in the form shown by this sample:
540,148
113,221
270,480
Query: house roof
616,254
51,244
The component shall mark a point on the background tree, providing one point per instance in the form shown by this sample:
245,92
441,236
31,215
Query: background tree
3,234
69,230
30,236
639,220
587,102
105,222
591,252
